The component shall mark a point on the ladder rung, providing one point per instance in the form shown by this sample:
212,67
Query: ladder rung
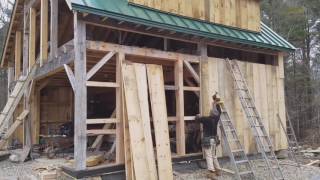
257,125
245,173
262,136
226,120
241,161
237,151
252,107
230,130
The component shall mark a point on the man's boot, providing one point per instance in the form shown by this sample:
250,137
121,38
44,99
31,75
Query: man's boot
211,175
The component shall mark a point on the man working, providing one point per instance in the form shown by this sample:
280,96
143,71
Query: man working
210,139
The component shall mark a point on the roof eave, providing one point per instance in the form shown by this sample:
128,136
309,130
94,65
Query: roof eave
86,9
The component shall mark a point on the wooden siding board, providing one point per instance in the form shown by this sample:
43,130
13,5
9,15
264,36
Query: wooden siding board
243,14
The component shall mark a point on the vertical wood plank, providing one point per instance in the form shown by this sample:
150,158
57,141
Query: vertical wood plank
159,114
44,32
217,11
25,43
275,107
249,141
119,126
244,14
270,104
134,114
281,98
17,54
232,12
264,96
32,37
127,147
54,29
80,126
239,117
141,76
180,124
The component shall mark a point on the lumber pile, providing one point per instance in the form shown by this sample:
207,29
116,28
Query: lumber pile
48,175
139,151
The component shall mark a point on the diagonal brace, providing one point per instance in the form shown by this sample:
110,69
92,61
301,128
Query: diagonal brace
102,62
70,76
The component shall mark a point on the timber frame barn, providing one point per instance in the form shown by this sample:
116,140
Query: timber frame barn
81,46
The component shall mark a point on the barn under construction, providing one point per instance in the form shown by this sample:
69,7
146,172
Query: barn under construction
128,77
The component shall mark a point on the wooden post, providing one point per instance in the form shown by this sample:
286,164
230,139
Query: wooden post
17,55
35,114
119,126
80,113
180,129
54,29
281,100
25,58
44,32
204,84
25,50
32,37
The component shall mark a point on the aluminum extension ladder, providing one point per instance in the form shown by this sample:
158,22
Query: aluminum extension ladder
293,145
21,85
263,142
239,160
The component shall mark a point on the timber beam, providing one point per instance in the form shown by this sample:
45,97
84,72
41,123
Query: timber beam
66,56
143,52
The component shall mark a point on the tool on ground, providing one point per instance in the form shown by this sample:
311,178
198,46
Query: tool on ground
263,141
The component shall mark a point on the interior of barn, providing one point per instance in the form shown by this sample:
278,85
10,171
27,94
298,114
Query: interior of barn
191,75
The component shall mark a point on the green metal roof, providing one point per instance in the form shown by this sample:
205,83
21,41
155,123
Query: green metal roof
122,10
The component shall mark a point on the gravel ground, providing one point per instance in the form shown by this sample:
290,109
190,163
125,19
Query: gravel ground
290,171
27,170
183,171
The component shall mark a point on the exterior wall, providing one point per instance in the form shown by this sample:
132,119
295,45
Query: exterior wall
266,87
244,14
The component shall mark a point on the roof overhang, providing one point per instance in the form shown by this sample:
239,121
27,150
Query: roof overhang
124,11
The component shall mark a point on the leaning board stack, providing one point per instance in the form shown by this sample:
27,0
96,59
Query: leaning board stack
139,151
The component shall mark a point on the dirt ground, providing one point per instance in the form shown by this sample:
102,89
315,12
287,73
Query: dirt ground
290,170
183,171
